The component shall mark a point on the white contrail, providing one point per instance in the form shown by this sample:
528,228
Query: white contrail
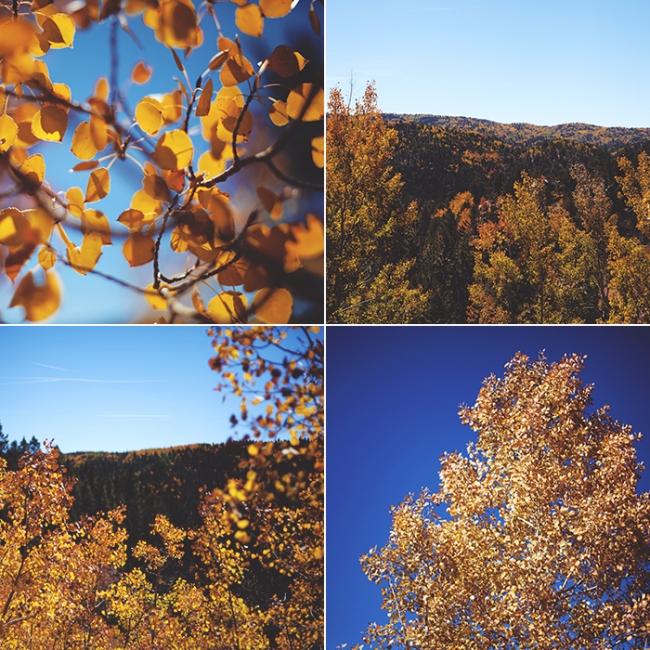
105,415
45,365
48,380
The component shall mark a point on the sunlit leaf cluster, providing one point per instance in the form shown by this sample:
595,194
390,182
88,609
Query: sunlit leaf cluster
182,144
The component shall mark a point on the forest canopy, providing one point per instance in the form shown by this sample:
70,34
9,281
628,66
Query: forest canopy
501,224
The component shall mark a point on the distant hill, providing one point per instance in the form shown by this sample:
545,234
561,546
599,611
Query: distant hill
611,138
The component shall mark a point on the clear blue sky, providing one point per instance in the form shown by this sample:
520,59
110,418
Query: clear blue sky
111,388
93,299
392,402
505,60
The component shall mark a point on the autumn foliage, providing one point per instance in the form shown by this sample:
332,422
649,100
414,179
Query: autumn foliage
76,584
241,114
536,538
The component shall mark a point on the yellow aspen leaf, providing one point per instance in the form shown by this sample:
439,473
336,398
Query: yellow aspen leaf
211,166
14,227
33,171
132,219
271,244
76,203
149,115
286,61
223,220
156,187
141,72
41,223
138,249
99,185
276,8
82,143
149,207
273,305
178,62
8,132
101,89
314,20
203,105
17,258
46,258
296,101
307,241
40,301
154,298
244,126
278,113
249,19
271,202
15,36
197,302
23,116
62,91
50,123
318,151
236,70
174,23
242,536
233,274
98,132
218,60
85,166
174,150
40,77
172,106
59,29
239,3
96,221
84,258
228,307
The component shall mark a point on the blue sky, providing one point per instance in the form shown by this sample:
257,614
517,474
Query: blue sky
114,388
505,60
392,402
92,299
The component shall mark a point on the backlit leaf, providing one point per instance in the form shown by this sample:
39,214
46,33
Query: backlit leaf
149,115
8,132
156,187
141,72
228,307
154,298
297,98
85,166
174,150
84,258
138,249
33,170
218,60
59,29
14,227
278,113
76,203
270,201
275,8
203,105
132,219
46,258
50,123
318,151
286,61
40,301
99,185
96,222
273,305
82,144
249,19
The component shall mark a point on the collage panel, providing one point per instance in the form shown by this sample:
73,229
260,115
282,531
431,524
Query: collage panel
161,162
485,487
161,488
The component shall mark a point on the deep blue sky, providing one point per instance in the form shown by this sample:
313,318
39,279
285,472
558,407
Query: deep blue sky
392,401
505,60
113,388
92,299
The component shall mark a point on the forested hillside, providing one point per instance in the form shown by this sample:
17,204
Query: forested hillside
464,220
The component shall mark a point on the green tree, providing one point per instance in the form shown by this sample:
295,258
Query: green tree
370,267
536,538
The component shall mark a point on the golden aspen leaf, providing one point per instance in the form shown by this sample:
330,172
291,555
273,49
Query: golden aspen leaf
101,89
285,61
99,185
156,187
276,8
203,105
46,258
132,219
228,307
76,203
239,3
62,91
249,19
40,77
141,72
98,132
172,106
174,150
256,277
50,123
17,258
314,21
210,166
149,206
58,29
233,274
296,101
84,258
242,536
236,70
8,132
95,221
270,201
223,220
273,305
154,298
244,125
318,151
82,143
307,241
85,166
41,223
33,171
218,60
15,36
197,302
271,244
138,249
39,301
14,227
178,62
149,115
178,240
174,23
278,113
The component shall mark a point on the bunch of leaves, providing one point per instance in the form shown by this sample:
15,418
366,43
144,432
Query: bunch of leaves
251,269
486,562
